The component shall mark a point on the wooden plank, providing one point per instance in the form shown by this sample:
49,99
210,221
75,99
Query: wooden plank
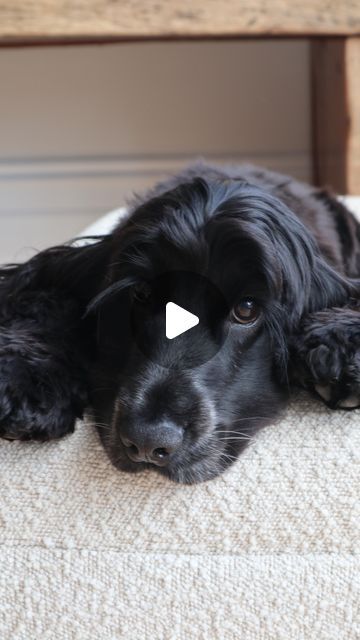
41,21
329,113
352,62
336,113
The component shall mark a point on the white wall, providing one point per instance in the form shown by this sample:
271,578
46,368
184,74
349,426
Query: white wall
82,127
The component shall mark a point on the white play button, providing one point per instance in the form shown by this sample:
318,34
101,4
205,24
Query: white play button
178,320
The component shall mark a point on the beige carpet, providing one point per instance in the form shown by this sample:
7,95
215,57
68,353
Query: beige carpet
269,551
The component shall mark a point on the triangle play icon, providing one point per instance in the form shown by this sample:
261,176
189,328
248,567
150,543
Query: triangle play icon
178,320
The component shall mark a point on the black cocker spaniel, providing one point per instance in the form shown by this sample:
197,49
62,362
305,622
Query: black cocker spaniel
270,266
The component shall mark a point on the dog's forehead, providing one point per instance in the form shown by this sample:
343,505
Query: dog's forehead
192,239
188,229
160,237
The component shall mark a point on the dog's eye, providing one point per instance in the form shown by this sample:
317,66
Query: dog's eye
246,311
141,292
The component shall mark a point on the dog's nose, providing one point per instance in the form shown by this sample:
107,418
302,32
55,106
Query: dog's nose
153,444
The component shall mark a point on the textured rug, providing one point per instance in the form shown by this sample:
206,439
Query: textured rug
268,551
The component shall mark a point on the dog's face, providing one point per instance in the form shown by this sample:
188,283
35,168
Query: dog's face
242,263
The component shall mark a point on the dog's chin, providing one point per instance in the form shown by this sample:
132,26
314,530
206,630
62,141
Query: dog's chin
199,471
205,463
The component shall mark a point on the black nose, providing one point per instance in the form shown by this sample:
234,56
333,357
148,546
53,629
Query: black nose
153,443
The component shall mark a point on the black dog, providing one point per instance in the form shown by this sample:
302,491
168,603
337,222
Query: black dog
270,266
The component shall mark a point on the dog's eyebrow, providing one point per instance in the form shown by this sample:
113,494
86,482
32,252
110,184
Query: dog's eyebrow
115,287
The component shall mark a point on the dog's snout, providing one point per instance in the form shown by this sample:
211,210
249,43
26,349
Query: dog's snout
154,444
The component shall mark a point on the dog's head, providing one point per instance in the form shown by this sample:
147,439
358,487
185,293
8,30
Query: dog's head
246,266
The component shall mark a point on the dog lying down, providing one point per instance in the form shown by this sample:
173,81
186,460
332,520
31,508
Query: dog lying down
270,266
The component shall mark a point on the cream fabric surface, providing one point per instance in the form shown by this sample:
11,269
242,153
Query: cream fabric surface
268,551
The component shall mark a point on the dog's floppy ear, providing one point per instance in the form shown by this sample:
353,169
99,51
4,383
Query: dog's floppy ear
258,228
309,282
292,260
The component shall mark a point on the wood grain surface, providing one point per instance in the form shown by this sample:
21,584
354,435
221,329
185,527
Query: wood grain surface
336,113
27,21
353,114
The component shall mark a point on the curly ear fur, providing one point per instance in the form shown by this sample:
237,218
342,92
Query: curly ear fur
45,346
43,386
325,355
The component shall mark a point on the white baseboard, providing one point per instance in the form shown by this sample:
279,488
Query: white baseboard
95,184
51,200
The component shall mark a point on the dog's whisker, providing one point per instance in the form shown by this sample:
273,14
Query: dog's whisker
232,438
227,456
246,433
236,433
105,427
249,418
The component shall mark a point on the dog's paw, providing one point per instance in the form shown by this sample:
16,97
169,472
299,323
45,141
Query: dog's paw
326,357
41,396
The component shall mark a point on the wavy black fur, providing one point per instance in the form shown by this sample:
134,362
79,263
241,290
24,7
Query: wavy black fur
66,339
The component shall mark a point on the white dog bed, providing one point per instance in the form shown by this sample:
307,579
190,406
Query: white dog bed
268,551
